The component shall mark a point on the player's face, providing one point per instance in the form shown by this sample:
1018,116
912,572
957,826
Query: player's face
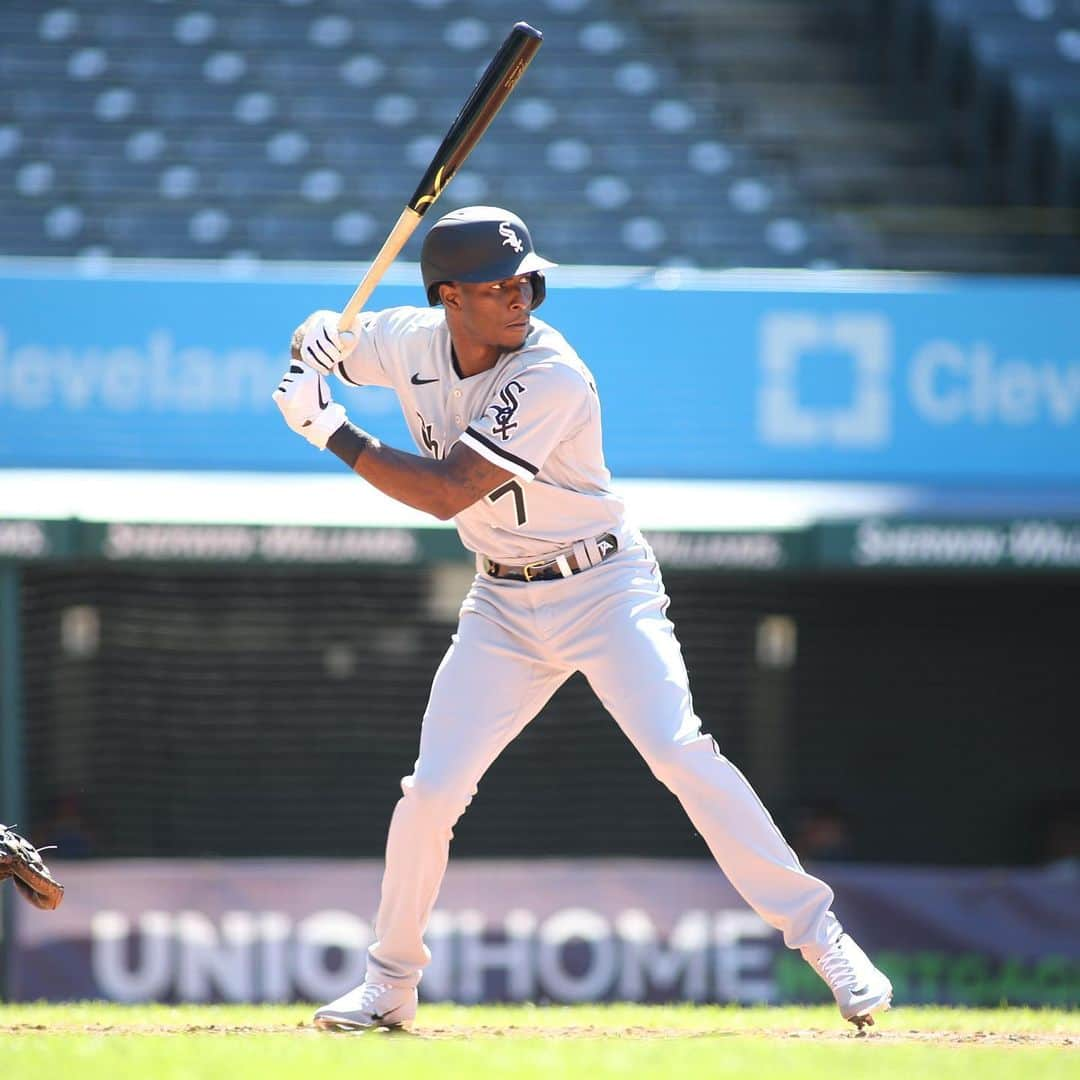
496,312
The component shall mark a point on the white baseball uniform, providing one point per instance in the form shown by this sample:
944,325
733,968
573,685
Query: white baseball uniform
536,413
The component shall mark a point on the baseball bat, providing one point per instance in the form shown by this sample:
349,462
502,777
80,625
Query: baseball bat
486,99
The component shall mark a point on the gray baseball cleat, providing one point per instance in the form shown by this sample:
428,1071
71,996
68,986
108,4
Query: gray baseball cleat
370,1005
859,988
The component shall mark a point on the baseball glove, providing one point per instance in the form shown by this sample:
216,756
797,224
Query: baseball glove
20,861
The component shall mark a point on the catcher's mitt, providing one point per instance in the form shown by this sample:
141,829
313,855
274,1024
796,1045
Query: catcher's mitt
20,861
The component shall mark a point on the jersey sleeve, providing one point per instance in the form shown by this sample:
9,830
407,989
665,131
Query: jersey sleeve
371,361
529,414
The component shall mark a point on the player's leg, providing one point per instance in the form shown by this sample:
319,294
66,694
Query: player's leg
641,680
489,685
486,690
634,663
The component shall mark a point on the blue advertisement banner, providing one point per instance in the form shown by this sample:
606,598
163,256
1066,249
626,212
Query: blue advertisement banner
823,376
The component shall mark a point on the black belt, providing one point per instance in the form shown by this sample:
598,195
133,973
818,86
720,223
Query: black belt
549,569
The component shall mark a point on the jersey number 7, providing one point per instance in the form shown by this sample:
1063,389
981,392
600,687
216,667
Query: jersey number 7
511,487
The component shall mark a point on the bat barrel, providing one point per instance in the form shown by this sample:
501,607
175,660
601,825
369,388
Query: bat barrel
487,97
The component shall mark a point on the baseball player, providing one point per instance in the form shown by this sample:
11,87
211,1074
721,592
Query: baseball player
506,421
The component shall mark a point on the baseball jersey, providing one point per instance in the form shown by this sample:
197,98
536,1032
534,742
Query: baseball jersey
536,414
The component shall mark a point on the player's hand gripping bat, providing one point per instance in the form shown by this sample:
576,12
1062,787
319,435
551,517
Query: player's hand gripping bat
486,99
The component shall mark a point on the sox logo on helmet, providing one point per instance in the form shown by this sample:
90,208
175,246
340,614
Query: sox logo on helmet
512,238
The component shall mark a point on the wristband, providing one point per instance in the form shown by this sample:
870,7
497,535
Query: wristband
348,443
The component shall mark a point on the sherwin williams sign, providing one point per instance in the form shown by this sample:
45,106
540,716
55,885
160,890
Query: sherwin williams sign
1025,545
816,376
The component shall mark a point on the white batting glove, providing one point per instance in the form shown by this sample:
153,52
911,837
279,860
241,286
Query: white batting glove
317,344
304,400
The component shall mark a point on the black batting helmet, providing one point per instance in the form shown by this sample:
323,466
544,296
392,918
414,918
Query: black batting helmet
480,243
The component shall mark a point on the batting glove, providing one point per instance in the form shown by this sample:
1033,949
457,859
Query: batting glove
304,400
317,344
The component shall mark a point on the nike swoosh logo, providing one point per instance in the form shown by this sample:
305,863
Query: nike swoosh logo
417,381
322,403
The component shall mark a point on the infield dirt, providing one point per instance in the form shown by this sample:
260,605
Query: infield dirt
422,1032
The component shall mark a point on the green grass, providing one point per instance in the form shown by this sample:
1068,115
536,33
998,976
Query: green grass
90,1041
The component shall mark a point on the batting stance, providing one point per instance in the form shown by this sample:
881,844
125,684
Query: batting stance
506,419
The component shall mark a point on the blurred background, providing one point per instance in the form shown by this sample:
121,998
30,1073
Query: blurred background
821,256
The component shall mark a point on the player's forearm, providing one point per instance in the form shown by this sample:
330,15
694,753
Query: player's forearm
442,488
413,480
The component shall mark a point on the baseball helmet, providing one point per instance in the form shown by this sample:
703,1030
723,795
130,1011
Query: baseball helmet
480,243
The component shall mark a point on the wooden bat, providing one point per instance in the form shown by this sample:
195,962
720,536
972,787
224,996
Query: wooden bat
486,99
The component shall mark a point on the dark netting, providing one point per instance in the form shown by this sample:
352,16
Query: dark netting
176,712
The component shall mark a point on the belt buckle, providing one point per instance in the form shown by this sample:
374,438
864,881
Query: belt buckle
529,568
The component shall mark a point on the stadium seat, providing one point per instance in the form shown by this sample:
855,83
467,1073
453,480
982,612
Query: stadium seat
1032,97
999,42
925,34
952,25
1064,161
218,111
983,110
996,68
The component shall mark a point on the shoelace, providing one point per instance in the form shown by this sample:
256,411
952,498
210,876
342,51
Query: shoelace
372,991
836,967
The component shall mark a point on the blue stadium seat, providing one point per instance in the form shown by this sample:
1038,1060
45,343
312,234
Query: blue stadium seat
996,67
984,106
1063,165
926,34
1032,99
1000,40
296,130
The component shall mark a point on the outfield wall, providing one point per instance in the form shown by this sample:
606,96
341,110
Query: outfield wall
550,931
1019,544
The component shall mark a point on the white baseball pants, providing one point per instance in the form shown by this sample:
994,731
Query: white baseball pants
516,643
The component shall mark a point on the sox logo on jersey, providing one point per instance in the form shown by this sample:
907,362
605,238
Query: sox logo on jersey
504,422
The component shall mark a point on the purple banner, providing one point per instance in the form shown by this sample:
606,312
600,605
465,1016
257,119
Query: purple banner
545,930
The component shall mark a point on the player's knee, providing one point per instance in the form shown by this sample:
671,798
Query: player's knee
677,763
666,765
436,798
